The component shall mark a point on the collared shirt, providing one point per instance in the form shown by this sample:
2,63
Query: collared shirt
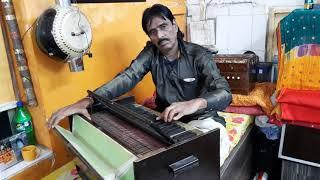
193,75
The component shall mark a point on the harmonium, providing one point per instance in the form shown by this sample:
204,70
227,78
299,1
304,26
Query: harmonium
239,70
123,140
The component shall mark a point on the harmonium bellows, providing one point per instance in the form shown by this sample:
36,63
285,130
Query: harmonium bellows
239,70
123,140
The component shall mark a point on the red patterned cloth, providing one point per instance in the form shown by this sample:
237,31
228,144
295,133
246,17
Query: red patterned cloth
150,102
275,121
249,110
300,105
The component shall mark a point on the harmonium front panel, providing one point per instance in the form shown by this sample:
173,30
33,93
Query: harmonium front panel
127,152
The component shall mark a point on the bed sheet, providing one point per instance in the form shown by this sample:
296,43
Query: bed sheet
236,125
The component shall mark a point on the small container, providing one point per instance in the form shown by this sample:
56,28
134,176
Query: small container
29,153
263,70
316,6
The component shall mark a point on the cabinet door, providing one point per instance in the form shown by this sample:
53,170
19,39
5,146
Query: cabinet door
6,91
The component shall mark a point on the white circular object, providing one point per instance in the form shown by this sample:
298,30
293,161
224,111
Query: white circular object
71,31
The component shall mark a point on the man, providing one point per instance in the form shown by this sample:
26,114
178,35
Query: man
188,83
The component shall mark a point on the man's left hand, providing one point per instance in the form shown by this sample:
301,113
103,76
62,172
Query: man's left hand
179,109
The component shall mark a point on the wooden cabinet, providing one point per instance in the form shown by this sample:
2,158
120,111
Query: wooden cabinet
239,71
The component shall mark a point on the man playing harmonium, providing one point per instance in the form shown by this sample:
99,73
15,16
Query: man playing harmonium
189,86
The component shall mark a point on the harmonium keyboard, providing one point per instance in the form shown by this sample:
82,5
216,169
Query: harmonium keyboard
123,140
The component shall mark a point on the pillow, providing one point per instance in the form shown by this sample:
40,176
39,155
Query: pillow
259,96
249,110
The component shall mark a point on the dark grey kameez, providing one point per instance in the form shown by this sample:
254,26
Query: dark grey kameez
194,74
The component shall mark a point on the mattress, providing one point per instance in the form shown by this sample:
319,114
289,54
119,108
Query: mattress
236,125
238,164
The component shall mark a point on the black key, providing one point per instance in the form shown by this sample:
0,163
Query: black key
162,125
172,128
175,132
151,116
184,136
156,123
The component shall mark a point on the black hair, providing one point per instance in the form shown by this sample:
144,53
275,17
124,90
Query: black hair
160,11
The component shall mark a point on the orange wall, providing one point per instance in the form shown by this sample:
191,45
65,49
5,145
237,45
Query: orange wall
117,39
6,90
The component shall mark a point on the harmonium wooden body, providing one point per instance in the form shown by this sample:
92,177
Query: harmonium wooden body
239,70
124,141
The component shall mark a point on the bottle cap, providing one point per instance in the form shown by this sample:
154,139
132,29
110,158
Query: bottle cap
19,104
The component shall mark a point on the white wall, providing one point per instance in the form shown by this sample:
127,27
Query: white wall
233,26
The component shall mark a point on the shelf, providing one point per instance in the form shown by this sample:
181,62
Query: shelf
45,153
8,105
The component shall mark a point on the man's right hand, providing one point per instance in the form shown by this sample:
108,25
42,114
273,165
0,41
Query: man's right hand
78,107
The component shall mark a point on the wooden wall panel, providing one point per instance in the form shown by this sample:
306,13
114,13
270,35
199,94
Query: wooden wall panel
6,88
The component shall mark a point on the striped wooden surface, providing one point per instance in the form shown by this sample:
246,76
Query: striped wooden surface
296,171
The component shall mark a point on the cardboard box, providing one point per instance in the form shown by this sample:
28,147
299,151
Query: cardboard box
10,150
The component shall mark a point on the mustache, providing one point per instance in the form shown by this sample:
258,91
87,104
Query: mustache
161,40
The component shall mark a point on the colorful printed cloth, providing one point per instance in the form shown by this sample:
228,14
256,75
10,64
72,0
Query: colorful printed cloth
299,50
236,125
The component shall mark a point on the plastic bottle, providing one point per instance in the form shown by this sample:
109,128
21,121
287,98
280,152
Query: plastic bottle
308,4
24,123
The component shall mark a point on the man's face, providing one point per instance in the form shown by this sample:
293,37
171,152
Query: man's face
162,33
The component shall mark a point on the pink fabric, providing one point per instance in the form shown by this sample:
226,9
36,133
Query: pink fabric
275,121
249,110
150,102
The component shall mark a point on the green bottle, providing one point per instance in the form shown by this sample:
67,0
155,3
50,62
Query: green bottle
24,123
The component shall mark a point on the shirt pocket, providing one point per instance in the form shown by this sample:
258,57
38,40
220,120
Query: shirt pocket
189,87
